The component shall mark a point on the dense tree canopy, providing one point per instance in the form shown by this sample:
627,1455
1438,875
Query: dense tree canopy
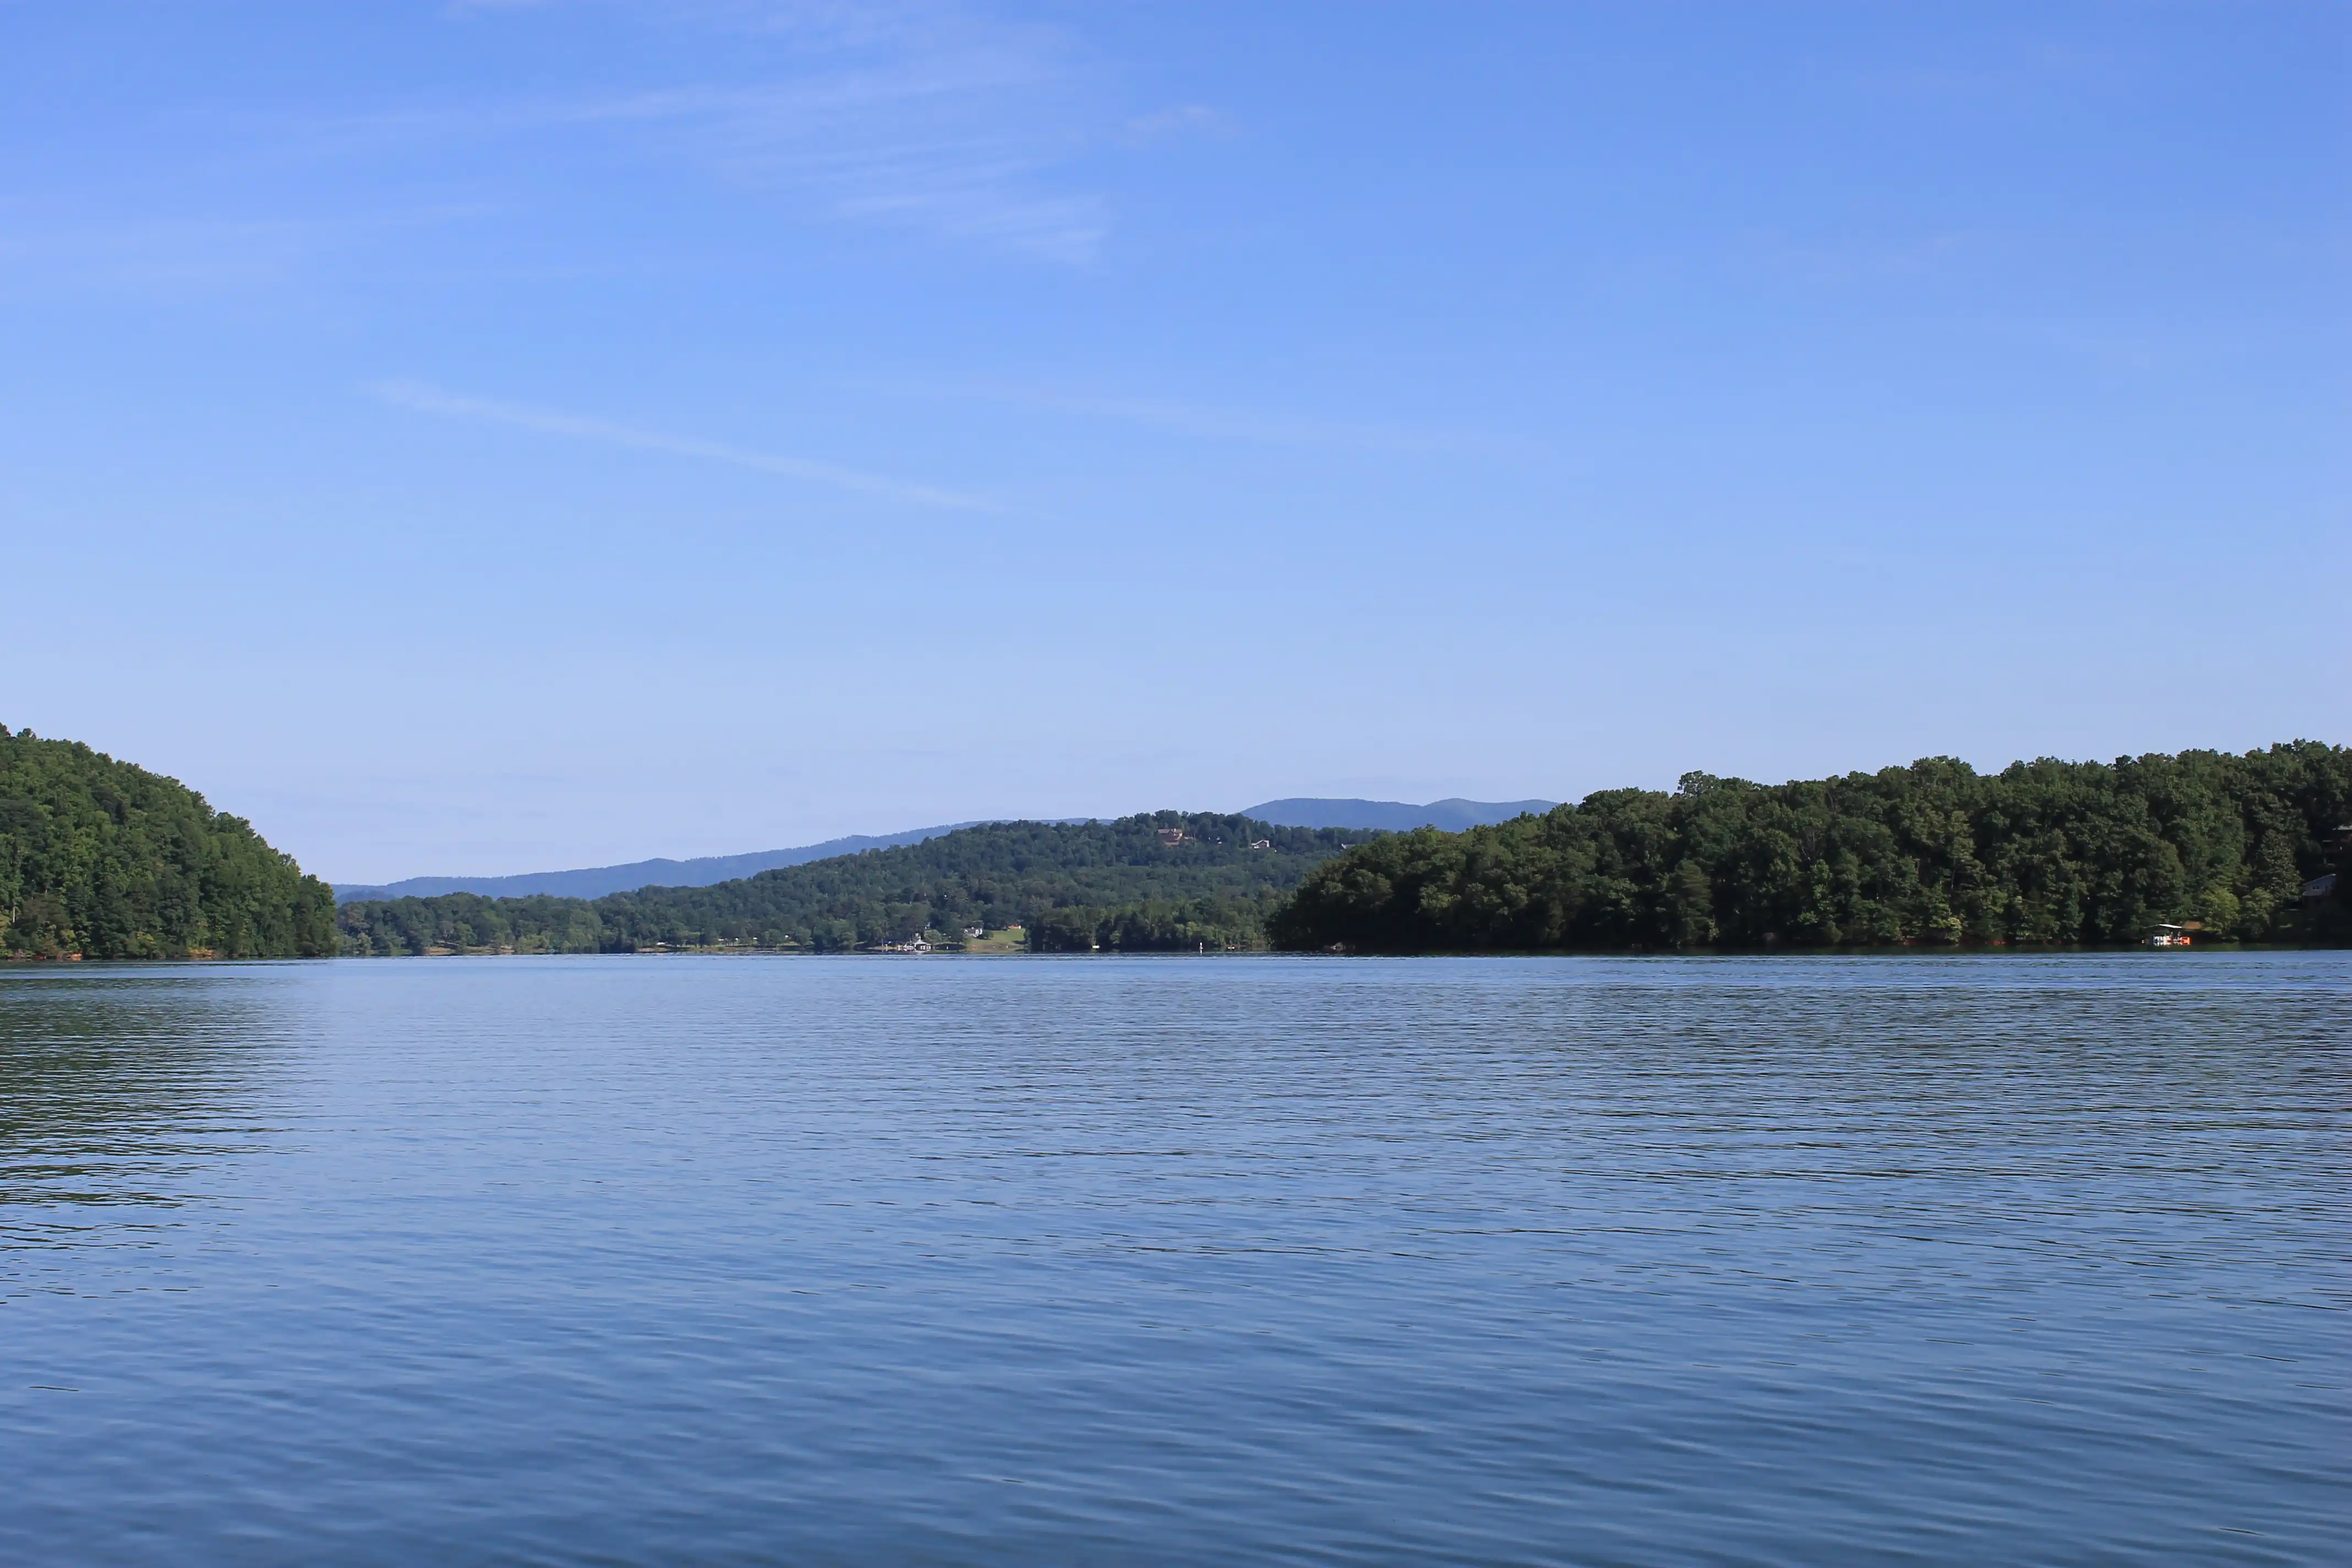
1163,881
2044,852
107,860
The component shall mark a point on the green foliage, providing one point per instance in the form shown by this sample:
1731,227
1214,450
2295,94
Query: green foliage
108,860
2045,852
1215,924
1114,885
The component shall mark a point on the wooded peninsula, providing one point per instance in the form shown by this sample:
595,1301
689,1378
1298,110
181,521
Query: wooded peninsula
1935,854
102,859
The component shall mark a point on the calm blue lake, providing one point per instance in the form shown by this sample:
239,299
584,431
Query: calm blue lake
1102,1260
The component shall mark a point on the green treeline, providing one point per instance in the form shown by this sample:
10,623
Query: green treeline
1114,885
1215,924
107,860
2043,852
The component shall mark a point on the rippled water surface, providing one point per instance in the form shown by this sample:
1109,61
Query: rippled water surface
1792,1260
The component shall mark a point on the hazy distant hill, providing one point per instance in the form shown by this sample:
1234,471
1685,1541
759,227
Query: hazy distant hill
595,881
1163,881
1395,815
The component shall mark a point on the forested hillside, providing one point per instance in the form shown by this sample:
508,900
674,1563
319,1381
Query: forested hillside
1116,885
107,860
2044,852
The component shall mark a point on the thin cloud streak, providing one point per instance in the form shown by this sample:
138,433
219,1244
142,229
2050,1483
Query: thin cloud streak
922,118
427,399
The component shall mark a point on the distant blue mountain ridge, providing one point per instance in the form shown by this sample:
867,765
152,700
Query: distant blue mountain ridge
595,881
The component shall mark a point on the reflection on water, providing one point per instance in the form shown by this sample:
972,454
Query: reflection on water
123,1087
799,1260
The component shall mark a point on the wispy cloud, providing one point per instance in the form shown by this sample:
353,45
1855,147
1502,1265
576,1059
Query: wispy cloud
928,144
932,117
923,116
429,399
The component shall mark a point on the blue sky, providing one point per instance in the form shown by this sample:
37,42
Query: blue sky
486,437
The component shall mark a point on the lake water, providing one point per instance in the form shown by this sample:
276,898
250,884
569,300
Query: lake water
1102,1260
